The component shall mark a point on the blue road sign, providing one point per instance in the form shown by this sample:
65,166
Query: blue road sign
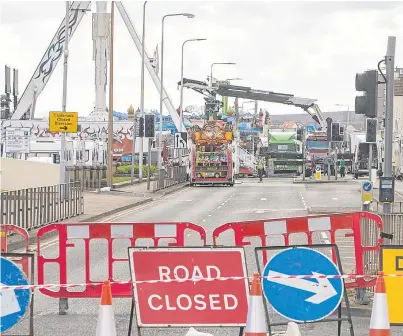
317,168
302,300
14,303
367,186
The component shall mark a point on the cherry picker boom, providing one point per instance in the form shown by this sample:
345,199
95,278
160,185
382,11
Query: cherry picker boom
244,92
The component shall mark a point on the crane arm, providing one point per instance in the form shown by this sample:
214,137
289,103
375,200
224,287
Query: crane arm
244,92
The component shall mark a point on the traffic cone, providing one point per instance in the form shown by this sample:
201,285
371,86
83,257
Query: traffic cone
106,319
256,321
292,329
379,325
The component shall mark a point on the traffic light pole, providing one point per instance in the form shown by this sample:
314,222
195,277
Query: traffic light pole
134,152
390,81
370,162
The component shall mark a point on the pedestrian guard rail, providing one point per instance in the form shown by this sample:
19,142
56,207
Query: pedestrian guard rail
109,232
178,235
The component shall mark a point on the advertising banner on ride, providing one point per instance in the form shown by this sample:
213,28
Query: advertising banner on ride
181,286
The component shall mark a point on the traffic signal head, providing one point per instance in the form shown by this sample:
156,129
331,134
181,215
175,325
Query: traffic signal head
368,83
335,129
141,127
149,126
371,130
299,134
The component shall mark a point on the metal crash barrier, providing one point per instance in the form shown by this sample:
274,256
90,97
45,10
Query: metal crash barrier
90,234
348,224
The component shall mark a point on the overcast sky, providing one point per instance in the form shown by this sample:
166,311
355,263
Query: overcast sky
309,49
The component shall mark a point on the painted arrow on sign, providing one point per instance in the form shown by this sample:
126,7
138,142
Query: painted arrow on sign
322,289
9,303
64,127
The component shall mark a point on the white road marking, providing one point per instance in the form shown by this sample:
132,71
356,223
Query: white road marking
325,237
334,198
263,199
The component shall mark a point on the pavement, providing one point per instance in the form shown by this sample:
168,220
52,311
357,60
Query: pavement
209,207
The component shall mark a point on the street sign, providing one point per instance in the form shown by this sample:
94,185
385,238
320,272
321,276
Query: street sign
176,300
391,262
180,140
65,122
302,300
14,303
366,191
17,140
318,173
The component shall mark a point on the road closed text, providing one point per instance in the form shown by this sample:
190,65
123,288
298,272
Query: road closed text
187,290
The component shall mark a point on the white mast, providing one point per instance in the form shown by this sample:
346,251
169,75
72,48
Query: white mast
100,37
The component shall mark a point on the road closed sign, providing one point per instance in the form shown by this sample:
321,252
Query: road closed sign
181,286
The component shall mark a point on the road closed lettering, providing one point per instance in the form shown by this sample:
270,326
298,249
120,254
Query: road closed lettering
187,291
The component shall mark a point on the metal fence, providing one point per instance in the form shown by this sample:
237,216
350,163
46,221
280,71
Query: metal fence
168,177
33,207
392,224
90,178
396,207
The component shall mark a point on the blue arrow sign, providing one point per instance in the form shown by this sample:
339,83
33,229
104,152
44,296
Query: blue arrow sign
14,303
367,186
302,300
317,168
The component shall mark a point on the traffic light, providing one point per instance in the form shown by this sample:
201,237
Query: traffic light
335,136
368,83
329,128
149,126
299,134
371,130
141,127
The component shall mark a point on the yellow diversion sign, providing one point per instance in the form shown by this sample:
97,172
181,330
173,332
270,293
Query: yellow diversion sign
391,262
65,122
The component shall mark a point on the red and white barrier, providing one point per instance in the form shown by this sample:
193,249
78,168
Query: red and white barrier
96,284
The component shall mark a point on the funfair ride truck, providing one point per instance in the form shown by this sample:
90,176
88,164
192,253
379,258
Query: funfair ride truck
211,155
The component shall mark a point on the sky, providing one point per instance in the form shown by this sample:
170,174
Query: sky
309,49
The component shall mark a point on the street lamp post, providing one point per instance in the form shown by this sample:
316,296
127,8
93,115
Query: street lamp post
142,91
189,16
181,98
211,70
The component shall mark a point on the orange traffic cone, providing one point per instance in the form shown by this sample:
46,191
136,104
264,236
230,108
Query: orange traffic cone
106,319
379,325
256,321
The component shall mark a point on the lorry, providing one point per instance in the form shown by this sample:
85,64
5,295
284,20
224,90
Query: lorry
317,148
283,154
211,154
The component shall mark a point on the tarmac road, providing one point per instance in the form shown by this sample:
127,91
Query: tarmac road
206,206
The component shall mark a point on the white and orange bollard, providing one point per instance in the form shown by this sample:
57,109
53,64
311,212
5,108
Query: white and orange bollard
256,320
379,325
106,325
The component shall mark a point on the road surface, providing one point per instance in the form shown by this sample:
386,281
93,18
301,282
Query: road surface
206,206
